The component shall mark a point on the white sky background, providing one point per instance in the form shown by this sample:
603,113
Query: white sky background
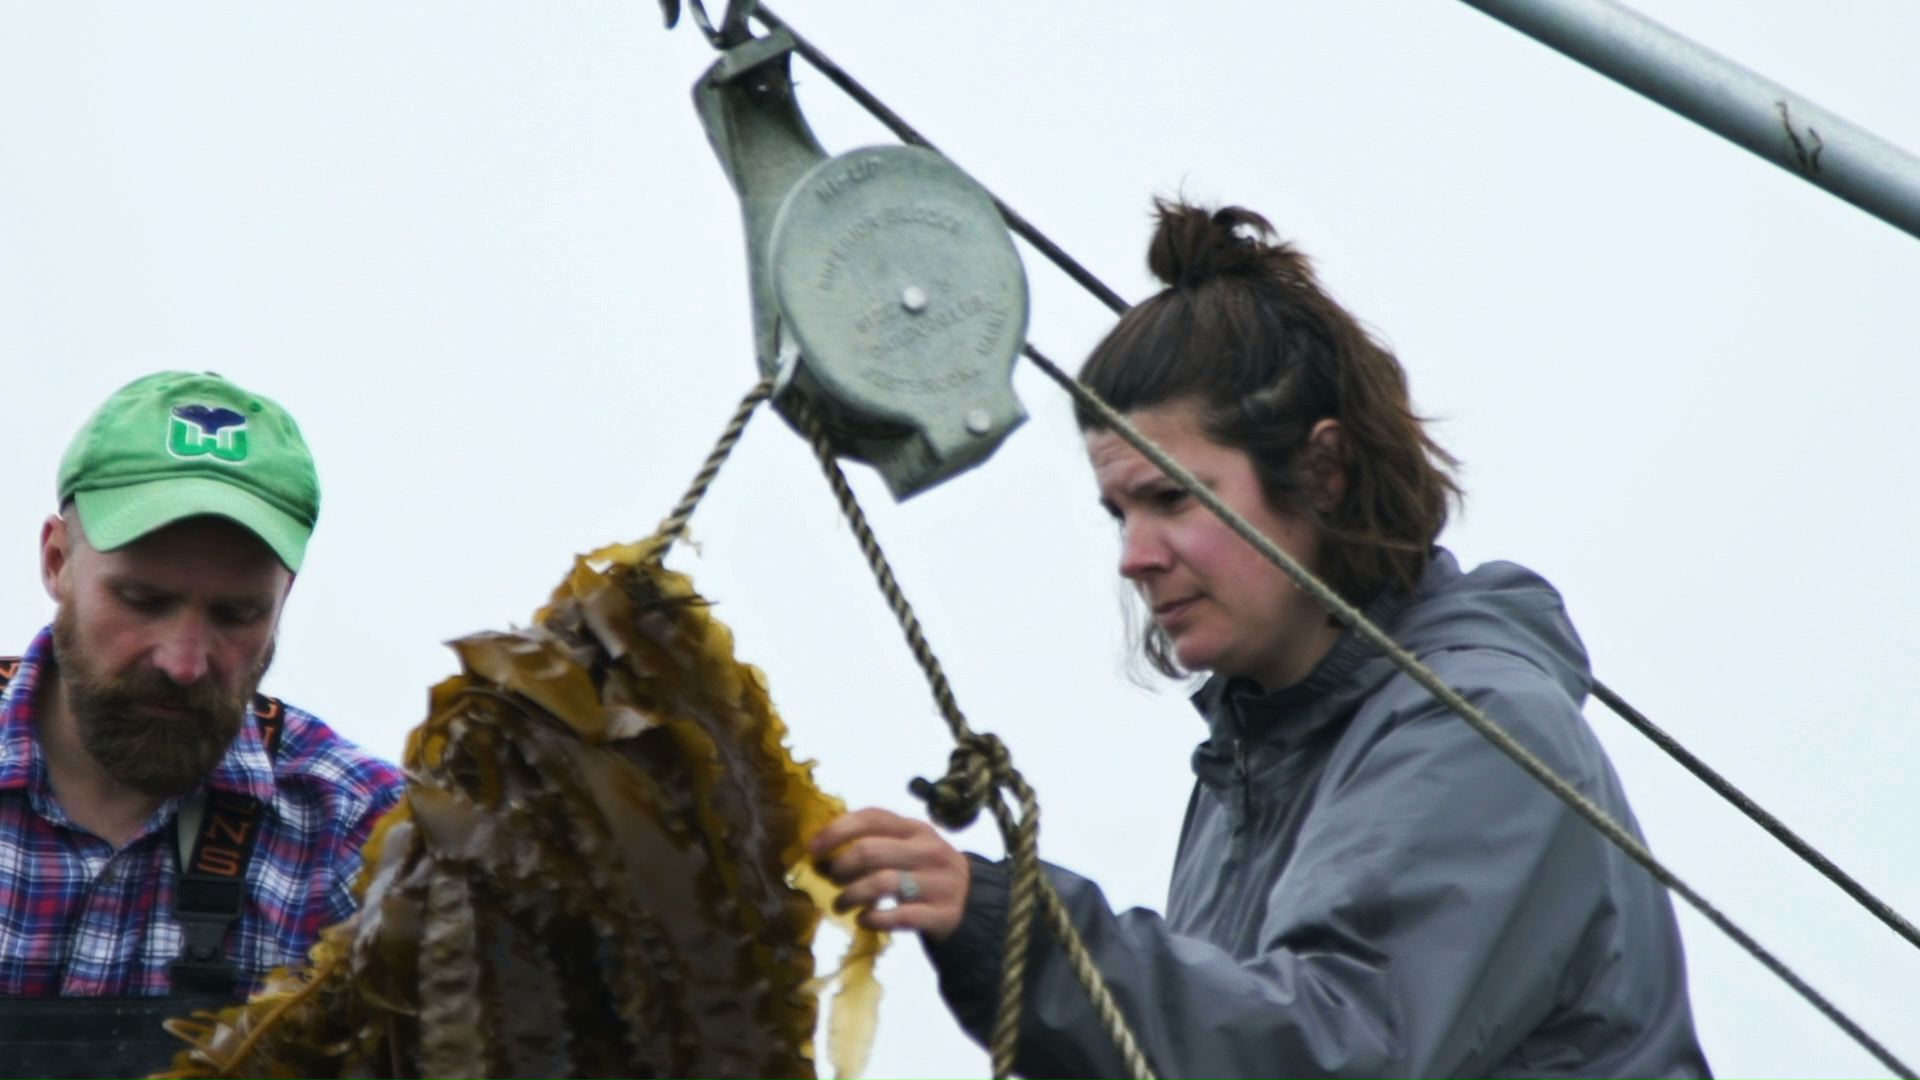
484,254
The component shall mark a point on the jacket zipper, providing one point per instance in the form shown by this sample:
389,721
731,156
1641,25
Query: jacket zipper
1241,773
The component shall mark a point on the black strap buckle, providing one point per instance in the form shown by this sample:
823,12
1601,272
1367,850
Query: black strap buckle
207,908
202,966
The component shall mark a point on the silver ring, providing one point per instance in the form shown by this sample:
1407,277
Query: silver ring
909,890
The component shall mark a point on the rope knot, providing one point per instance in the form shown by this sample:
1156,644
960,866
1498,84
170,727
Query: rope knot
978,765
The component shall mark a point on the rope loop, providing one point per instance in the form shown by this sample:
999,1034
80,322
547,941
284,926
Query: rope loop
978,765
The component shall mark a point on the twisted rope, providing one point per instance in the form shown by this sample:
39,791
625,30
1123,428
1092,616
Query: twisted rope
1351,618
979,769
674,526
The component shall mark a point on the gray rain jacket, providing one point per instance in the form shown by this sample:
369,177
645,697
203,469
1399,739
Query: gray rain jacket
1366,887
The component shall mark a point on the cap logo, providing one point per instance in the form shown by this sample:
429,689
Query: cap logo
211,430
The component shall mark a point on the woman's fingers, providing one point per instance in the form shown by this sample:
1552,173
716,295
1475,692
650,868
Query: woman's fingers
878,856
860,857
936,921
925,884
868,822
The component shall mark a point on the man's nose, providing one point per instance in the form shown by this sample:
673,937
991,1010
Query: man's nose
184,651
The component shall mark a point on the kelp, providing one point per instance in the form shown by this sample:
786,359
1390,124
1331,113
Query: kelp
598,869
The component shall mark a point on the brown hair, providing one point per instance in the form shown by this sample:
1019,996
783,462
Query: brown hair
1245,330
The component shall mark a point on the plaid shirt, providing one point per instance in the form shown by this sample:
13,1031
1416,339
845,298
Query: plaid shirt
78,918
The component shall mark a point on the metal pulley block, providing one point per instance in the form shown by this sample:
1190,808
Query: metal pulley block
887,293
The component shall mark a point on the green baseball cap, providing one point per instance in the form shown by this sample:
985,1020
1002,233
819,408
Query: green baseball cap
177,444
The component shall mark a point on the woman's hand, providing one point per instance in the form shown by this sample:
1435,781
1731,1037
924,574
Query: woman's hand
877,855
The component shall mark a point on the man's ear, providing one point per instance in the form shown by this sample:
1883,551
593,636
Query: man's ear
56,550
1327,463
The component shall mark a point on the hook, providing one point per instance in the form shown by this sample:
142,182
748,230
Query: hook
732,29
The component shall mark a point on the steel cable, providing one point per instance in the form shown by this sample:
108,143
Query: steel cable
1353,619
1773,825
1099,289
1019,224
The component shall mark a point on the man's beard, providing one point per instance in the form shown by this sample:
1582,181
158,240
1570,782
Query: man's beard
154,754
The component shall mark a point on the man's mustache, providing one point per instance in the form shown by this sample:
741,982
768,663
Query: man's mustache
157,688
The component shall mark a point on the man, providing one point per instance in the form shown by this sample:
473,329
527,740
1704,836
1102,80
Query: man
167,836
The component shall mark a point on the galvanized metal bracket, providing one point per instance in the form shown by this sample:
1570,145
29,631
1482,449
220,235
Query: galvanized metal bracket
886,291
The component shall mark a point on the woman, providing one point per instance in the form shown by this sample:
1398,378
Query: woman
1364,886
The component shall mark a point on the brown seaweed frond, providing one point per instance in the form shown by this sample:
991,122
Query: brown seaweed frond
598,869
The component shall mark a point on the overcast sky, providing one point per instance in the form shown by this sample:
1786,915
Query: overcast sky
483,252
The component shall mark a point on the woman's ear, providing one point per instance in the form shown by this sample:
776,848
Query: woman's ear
1327,463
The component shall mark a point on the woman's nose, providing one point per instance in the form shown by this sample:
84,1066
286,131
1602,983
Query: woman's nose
1142,551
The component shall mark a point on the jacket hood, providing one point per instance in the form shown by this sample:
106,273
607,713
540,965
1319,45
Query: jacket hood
1498,606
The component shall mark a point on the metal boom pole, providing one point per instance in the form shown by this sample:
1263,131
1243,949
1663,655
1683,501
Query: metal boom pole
1720,95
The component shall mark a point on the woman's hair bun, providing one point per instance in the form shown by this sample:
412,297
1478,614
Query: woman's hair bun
1192,244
